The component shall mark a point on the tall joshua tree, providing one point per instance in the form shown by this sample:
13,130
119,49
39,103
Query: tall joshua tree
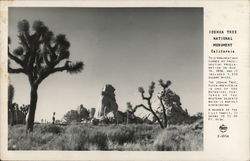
24,109
11,92
39,55
149,102
168,100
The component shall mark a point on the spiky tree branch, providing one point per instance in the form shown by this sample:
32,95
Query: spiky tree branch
16,71
148,100
133,110
168,100
164,86
41,52
16,59
163,111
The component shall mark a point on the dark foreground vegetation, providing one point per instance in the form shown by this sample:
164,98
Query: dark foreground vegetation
140,137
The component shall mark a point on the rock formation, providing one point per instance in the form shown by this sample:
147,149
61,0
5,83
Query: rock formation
83,113
107,102
92,113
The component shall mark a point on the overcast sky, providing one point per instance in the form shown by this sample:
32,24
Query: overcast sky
126,47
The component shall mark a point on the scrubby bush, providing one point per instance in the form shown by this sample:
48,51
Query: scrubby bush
121,135
95,121
82,138
72,116
76,138
105,137
182,138
19,140
51,128
132,147
98,139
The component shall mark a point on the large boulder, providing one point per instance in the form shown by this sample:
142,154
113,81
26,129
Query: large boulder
83,113
107,102
121,117
175,113
92,113
127,117
95,121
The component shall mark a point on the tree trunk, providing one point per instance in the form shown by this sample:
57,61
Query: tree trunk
158,119
164,113
155,115
32,109
127,117
12,112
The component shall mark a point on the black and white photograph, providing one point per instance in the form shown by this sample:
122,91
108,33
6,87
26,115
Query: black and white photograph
105,79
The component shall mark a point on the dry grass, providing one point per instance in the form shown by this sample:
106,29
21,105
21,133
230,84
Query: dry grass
141,137
180,138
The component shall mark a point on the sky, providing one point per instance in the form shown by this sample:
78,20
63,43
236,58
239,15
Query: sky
125,47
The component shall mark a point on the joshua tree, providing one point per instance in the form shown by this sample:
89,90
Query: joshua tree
39,55
24,109
168,100
130,110
11,92
148,100
53,118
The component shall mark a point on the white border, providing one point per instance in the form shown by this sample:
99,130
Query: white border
213,149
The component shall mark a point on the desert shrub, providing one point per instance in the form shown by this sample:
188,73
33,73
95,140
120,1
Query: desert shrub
167,141
81,138
18,139
76,139
58,143
51,128
145,132
99,139
15,135
16,131
105,137
72,116
95,121
131,147
198,124
72,139
182,138
121,135
132,136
